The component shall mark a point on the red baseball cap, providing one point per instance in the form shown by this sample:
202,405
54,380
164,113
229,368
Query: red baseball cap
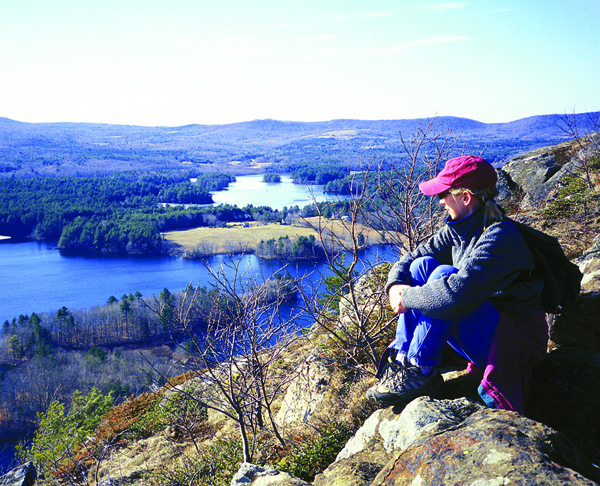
468,171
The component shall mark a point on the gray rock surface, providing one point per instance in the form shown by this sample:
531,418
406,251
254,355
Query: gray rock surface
394,430
490,447
387,431
24,475
504,185
537,174
253,475
589,264
433,442
305,394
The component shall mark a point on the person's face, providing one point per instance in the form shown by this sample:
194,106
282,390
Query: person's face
456,205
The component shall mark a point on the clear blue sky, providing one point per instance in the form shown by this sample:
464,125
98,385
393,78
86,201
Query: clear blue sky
176,62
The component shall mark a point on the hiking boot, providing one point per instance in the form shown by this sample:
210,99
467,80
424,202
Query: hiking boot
402,383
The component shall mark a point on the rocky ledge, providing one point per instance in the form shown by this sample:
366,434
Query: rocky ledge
434,442
24,475
454,439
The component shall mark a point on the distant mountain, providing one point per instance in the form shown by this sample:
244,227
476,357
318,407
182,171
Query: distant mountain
30,149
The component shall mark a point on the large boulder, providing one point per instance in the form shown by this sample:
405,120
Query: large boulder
536,175
578,325
24,475
490,447
387,431
433,442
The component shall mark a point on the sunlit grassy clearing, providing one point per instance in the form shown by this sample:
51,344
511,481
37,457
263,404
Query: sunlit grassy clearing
235,236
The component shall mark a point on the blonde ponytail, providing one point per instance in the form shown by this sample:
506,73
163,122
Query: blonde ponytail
492,213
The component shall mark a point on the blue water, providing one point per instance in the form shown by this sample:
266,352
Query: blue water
7,457
252,189
36,277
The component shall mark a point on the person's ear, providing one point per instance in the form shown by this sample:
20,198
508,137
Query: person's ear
467,198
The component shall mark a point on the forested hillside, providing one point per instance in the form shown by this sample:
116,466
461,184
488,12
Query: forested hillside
124,212
33,149
54,184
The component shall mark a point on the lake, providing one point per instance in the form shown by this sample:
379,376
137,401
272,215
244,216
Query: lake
36,277
251,189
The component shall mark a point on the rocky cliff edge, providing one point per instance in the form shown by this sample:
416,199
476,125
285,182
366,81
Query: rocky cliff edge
453,438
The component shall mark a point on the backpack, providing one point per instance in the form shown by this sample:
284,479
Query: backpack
562,278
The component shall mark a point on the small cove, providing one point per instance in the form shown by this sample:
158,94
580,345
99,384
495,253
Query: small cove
251,189
36,277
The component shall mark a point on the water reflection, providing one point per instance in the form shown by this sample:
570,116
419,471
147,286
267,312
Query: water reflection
35,277
252,189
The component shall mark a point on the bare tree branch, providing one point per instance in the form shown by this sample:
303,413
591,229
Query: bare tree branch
236,358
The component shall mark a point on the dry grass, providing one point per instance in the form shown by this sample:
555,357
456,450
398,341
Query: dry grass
342,230
235,237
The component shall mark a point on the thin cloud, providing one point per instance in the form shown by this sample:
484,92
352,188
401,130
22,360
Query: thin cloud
357,16
444,7
224,45
404,47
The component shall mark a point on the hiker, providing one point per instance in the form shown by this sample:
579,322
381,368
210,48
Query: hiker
470,286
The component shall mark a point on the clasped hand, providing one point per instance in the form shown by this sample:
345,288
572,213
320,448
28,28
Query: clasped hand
394,294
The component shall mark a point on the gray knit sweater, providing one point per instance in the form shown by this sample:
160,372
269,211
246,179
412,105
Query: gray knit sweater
490,265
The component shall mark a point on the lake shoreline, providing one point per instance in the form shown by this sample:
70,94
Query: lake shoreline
238,238
37,276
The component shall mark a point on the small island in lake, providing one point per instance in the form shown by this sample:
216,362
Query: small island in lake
271,178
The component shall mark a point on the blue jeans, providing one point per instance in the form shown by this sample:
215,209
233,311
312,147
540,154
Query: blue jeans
422,338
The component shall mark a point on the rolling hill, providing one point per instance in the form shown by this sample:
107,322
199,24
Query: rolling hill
39,149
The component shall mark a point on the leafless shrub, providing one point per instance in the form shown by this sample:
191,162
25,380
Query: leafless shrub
582,130
350,304
237,360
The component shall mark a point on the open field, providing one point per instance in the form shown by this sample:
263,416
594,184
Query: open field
236,237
